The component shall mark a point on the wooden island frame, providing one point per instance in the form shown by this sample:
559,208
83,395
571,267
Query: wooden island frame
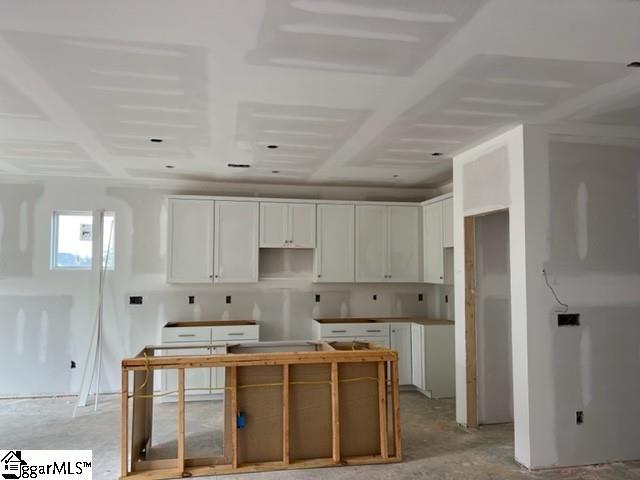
286,358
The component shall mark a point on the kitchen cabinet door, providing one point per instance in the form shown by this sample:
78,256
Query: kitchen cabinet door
236,242
400,341
334,256
274,219
433,251
197,381
447,223
302,225
404,244
190,241
371,243
417,356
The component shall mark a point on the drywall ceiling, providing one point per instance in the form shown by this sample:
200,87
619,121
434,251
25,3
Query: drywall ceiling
352,92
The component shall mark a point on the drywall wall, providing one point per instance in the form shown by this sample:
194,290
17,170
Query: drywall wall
580,224
582,215
47,315
478,191
493,319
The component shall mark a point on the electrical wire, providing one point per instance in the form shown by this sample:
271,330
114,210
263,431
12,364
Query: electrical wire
555,295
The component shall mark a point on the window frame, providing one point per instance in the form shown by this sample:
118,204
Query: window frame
55,226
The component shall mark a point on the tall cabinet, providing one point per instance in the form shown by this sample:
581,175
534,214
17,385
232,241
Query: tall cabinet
387,243
437,224
334,257
190,245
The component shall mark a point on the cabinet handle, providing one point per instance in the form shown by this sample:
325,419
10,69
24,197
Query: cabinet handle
187,335
239,334
374,331
210,276
215,276
338,331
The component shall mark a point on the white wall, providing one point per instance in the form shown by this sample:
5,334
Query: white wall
493,319
47,315
581,223
582,214
490,178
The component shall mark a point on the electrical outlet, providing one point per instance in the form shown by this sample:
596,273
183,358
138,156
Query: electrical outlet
228,300
568,319
135,300
446,299
579,417
192,299
73,364
375,297
317,298
420,297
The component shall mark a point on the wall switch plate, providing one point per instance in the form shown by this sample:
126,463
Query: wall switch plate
579,417
228,299
420,297
135,300
192,299
568,319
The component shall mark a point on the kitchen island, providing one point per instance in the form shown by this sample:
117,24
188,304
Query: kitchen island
324,403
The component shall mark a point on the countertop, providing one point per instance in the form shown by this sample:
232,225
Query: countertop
419,320
211,323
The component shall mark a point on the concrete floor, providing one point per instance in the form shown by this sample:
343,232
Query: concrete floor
434,447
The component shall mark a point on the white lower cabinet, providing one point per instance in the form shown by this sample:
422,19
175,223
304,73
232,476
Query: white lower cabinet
433,360
400,341
425,352
201,383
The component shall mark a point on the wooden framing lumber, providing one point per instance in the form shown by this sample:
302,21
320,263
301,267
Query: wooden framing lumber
382,399
379,360
335,414
470,321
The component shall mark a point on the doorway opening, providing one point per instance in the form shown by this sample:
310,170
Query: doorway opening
488,320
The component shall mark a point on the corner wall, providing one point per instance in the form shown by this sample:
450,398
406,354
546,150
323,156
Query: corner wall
490,178
583,228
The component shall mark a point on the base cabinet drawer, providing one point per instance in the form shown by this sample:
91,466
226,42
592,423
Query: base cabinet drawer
240,333
186,334
354,330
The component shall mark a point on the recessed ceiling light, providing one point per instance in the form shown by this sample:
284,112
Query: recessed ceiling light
169,166
436,154
156,140
634,65
275,171
272,146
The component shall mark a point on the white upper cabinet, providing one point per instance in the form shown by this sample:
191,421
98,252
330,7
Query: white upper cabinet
404,244
290,225
190,245
433,250
302,225
447,223
236,242
334,259
387,243
274,218
371,243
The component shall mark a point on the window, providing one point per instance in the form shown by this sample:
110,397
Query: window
72,240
